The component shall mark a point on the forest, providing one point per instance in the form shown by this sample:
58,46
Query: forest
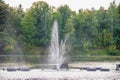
91,32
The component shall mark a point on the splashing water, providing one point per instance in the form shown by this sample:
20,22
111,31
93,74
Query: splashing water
56,50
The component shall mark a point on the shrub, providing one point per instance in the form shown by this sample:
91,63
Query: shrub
111,50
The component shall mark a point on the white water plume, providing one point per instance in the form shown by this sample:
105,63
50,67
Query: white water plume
57,51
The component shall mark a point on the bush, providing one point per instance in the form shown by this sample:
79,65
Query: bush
111,50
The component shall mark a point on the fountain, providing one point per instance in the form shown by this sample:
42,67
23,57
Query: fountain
57,51
57,57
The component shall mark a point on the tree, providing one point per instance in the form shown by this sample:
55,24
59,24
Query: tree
70,32
102,19
112,16
15,17
85,24
29,29
36,25
103,26
63,13
4,11
117,28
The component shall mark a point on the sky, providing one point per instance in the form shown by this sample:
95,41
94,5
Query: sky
75,5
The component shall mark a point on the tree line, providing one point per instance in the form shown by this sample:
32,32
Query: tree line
98,29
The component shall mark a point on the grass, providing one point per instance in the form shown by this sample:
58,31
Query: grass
35,55
96,54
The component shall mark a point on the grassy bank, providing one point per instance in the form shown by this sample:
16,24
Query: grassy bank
39,55
96,52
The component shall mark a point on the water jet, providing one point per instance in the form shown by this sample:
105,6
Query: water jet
57,49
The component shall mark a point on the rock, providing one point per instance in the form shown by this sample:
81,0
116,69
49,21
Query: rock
64,66
97,68
91,69
11,69
24,69
117,66
104,69
84,68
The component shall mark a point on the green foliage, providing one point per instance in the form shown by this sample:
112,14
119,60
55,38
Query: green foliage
111,50
9,44
117,37
4,11
85,24
103,19
15,18
117,29
113,13
105,39
36,25
64,13
28,29
97,29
